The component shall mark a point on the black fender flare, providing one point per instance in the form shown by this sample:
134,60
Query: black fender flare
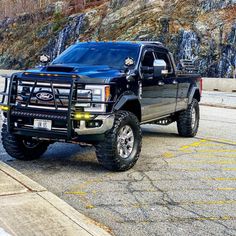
194,92
129,102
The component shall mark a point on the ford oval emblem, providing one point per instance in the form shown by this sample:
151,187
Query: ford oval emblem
44,96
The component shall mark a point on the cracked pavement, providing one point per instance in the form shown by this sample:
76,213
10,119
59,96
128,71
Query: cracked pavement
178,187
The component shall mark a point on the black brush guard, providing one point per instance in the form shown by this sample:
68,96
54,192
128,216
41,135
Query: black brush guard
9,97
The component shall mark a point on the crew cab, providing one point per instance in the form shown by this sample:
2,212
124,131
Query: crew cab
99,93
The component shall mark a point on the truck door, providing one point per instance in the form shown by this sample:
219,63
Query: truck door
169,85
159,94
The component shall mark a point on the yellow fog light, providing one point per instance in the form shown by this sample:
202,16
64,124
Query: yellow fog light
82,116
4,108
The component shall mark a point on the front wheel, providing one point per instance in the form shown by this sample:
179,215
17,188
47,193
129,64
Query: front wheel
22,148
188,120
122,145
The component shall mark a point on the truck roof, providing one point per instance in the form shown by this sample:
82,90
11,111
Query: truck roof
141,43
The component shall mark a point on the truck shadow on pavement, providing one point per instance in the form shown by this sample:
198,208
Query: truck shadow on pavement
72,157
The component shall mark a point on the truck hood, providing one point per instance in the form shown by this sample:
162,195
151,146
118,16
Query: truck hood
103,73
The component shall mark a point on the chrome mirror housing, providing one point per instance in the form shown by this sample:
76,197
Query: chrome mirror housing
159,68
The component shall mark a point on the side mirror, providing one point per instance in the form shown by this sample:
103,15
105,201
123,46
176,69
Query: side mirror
44,59
159,68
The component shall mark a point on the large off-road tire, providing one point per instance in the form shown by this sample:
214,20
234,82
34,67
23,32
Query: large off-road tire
188,120
122,145
22,148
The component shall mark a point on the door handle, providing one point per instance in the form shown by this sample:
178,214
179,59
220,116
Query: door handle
175,82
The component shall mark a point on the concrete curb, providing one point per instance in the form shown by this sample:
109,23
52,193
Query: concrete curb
22,179
85,225
93,227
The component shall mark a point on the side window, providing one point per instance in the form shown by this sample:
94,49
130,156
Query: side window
164,56
148,59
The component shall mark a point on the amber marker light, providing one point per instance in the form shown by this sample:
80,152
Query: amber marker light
4,108
107,93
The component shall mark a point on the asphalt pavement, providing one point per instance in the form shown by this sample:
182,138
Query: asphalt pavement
180,186
219,99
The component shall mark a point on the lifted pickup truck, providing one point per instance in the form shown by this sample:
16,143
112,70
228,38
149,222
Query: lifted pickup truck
99,93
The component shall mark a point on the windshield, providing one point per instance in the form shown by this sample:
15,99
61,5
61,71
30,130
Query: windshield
109,54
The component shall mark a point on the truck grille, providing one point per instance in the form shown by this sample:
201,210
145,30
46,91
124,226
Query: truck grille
43,95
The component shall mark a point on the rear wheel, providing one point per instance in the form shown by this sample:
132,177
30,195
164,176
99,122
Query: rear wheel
22,148
188,120
122,145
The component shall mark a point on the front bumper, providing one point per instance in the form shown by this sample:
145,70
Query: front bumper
21,123
107,124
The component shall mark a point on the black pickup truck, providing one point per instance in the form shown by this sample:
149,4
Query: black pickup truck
99,93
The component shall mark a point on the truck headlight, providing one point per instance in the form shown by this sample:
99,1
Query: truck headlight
98,93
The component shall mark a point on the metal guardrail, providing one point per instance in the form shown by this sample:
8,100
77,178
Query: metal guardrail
4,92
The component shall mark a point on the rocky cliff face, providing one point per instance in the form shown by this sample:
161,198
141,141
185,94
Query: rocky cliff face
204,31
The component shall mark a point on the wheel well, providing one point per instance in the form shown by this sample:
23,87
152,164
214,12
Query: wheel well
197,95
134,107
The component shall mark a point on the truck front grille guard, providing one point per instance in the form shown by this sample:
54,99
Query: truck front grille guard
59,100
9,97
